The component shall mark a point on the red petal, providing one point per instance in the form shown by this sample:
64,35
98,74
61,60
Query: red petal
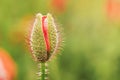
45,32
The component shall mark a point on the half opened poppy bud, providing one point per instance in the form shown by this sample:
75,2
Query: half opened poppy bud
44,39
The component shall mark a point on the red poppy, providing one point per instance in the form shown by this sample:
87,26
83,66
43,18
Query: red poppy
7,66
113,9
58,5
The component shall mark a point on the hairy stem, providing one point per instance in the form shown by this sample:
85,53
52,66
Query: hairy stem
43,73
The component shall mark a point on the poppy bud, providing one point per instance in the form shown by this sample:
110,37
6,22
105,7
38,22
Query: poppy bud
44,39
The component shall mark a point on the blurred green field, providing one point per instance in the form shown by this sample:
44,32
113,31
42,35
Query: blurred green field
92,40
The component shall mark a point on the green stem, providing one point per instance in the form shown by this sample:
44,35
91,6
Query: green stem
43,74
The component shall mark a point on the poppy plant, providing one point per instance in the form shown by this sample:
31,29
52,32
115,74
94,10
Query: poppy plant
44,41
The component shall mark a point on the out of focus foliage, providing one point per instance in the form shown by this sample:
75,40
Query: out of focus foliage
92,33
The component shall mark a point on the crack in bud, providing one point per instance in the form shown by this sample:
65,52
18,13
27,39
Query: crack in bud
45,33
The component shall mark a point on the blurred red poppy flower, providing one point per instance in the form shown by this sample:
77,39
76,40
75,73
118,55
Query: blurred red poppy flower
7,66
58,5
113,9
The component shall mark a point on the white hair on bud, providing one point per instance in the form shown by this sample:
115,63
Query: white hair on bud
31,39
57,34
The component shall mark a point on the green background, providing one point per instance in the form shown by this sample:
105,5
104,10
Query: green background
92,41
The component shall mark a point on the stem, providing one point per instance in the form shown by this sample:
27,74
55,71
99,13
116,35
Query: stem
43,74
